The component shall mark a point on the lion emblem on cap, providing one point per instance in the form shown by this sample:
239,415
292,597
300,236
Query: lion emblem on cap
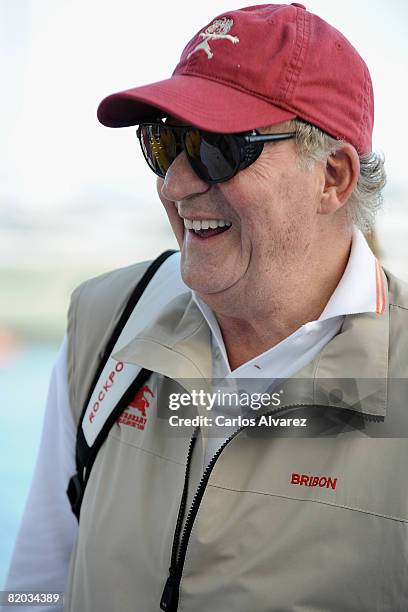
217,30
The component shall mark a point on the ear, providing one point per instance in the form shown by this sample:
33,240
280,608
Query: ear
341,176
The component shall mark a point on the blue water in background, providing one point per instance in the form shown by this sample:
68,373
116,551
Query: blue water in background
23,387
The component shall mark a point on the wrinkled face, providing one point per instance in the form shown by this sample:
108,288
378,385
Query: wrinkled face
270,211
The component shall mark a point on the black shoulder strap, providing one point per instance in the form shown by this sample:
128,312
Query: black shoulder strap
85,454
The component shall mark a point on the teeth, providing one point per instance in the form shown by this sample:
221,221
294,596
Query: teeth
205,224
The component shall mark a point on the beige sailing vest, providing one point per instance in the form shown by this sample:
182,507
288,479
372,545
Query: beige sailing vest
268,536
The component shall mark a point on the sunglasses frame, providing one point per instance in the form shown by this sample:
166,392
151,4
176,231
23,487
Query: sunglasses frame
248,144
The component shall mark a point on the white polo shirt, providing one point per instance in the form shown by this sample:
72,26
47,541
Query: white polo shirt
48,528
358,291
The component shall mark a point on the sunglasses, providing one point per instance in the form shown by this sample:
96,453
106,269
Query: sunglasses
215,158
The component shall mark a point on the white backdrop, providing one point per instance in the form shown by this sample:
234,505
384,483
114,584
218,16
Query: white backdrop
73,192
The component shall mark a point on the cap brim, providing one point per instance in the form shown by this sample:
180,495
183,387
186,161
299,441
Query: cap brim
206,104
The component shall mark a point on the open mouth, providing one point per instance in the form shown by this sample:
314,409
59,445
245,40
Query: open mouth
206,228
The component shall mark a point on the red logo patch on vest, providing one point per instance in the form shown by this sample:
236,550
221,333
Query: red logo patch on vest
140,402
327,482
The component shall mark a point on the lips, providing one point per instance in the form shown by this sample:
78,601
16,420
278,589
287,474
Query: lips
209,233
205,224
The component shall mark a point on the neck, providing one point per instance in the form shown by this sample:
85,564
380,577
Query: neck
255,318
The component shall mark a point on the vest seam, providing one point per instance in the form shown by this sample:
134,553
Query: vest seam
111,435
154,340
318,360
172,346
398,306
201,324
317,501
72,348
314,374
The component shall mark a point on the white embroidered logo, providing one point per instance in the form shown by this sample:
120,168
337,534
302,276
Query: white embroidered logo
217,30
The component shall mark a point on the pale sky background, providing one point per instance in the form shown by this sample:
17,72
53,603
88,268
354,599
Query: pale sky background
73,191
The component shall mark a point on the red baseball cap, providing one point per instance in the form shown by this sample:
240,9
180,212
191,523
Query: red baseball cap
255,67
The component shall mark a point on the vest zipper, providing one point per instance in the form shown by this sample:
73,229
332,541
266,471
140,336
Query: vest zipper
170,592
170,596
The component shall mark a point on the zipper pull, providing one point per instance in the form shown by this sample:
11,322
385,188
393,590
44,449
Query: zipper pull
170,597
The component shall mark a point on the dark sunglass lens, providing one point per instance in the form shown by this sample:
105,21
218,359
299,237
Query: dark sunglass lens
159,146
214,157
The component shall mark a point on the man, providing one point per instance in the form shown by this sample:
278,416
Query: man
261,141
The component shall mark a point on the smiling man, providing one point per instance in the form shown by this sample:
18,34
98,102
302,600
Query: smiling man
275,216
261,144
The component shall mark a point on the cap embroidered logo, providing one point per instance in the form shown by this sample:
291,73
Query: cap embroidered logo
217,30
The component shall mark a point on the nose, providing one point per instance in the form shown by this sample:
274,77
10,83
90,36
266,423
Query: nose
181,182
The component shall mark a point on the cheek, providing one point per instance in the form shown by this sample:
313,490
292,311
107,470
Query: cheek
255,200
175,221
159,185
276,208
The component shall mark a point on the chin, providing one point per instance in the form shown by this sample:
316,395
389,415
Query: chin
202,283
196,282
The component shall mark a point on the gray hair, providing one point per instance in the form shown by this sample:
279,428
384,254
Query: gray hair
366,198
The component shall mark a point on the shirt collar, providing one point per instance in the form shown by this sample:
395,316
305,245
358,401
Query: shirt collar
361,289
